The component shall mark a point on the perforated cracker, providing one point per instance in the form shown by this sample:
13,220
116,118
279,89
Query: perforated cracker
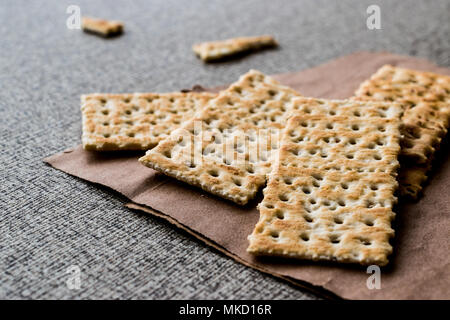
426,99
331,191
209,51
135,121
105,28
227,148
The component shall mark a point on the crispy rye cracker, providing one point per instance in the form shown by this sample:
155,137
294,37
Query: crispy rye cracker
208,51
331,191
226,149
101,27
135,121
426,99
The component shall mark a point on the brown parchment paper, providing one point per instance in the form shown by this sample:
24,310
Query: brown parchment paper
420,265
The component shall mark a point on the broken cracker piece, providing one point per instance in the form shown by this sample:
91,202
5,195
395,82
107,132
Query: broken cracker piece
227,148
209,51
331,191
105,28
135,121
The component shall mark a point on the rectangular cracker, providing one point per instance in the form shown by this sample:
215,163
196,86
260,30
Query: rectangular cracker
136,121
426,100
331,191
209,51
227,148
105,28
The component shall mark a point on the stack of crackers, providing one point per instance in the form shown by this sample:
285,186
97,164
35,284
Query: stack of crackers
329,168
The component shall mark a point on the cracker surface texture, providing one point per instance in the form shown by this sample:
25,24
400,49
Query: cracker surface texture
228,147
135,121
331,191
209,51
425,97
105,28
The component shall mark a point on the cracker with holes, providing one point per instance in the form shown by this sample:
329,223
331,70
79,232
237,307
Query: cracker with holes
331,191
135,121
227,148
426,100
210,51
101,27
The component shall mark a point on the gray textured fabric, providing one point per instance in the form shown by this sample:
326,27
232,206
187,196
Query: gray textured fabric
50,221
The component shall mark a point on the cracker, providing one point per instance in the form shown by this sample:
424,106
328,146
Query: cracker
105,28
135,121
331,191
227,148
426,99
209,51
